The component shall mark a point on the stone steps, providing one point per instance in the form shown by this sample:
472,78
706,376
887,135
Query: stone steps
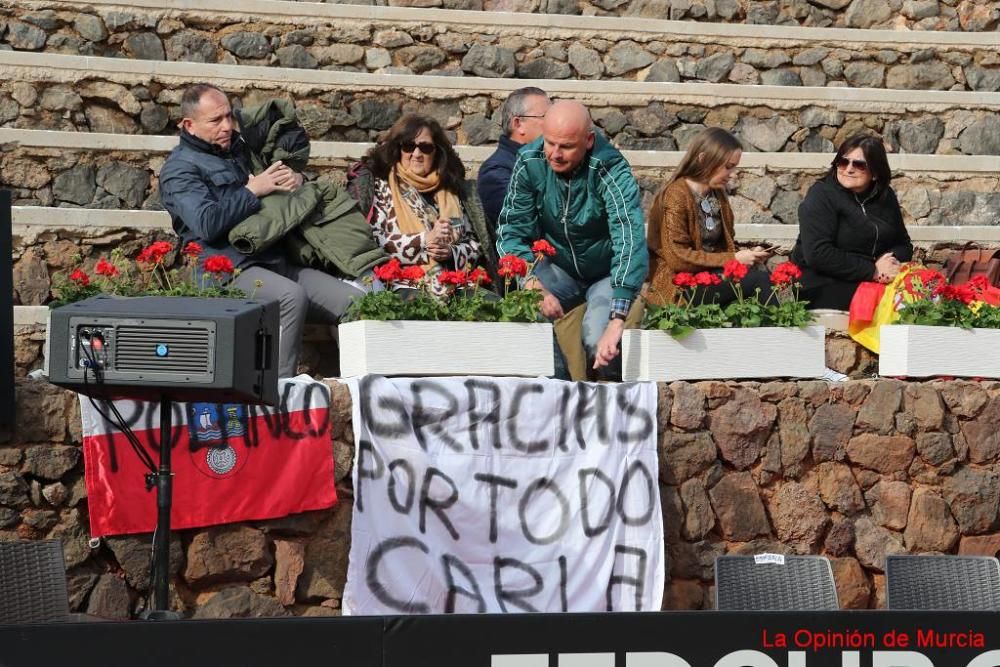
48,241
919,15
33,222
527,46
122,96
119,172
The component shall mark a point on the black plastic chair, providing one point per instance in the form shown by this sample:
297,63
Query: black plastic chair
774,583
33,582
942,583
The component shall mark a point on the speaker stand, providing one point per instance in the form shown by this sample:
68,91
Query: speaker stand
163,480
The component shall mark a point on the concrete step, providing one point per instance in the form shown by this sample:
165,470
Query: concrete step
49,241
35,221
105,171
124,96
966,15
522,45
25,316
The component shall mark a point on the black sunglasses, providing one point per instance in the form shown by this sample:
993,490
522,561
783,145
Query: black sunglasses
844,163
426,147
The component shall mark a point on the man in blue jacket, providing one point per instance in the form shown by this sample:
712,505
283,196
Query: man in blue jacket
575,190
207,187
521,115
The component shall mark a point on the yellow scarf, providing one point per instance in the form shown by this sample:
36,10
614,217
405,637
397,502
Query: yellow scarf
410,221
414,222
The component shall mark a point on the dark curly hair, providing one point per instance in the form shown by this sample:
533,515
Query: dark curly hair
384,156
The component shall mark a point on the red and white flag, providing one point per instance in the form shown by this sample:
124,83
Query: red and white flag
231,462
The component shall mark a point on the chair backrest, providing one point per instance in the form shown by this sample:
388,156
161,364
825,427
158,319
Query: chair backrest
958,583
770,582
33,582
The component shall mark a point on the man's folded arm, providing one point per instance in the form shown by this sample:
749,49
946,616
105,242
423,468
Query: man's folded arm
187,197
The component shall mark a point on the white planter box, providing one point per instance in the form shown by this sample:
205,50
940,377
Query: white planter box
716,354
921,351
404,347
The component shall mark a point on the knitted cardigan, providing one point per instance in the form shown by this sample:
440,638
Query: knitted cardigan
674,238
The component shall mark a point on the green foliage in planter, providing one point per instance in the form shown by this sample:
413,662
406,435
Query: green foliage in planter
465,299
680,320
148,276
929,300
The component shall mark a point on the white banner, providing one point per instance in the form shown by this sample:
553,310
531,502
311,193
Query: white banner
504,495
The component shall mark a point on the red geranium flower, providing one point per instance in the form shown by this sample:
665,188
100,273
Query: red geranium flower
706,278
543,247
192,249
106,268
80,277
685,279
154,252
389,271
456,278
962,293
478,276
734,270
512,266
218,264
979,284
785,273
412,273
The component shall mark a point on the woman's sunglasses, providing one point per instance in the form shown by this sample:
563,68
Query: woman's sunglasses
844,163
426,147
710,221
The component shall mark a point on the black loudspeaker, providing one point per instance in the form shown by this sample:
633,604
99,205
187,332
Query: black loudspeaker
177,348
166,349
6,320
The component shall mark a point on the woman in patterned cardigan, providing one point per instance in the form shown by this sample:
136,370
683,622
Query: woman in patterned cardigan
412,187
691,223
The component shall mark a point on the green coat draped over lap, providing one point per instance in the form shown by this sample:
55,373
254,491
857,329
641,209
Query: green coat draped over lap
319,224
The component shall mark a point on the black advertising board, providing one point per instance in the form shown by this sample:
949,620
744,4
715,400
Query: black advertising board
664,639
696,639
270,642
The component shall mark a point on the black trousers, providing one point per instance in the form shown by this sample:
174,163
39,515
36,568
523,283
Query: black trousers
755,279
836,295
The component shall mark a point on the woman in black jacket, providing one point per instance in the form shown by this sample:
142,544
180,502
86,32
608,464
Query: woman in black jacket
850,226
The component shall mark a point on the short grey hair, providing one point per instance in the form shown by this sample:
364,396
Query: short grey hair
192,98
514,106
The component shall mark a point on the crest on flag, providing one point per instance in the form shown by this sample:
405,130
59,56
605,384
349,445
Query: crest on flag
218,437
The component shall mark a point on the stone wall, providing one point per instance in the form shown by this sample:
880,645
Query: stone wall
118,180
971,15
852,471
360,111
409,47
952,15
67,177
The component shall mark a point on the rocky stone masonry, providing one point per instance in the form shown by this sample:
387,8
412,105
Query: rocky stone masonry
497,51
853,471
970,15
949,15
117,180
360,112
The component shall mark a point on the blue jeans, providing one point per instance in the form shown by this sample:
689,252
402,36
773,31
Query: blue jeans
571,293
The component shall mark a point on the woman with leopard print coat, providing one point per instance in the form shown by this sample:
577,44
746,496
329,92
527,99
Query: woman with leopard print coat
420,210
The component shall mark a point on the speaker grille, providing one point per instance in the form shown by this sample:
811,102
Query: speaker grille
188,349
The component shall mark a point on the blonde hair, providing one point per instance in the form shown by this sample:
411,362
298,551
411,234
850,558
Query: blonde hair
707,152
